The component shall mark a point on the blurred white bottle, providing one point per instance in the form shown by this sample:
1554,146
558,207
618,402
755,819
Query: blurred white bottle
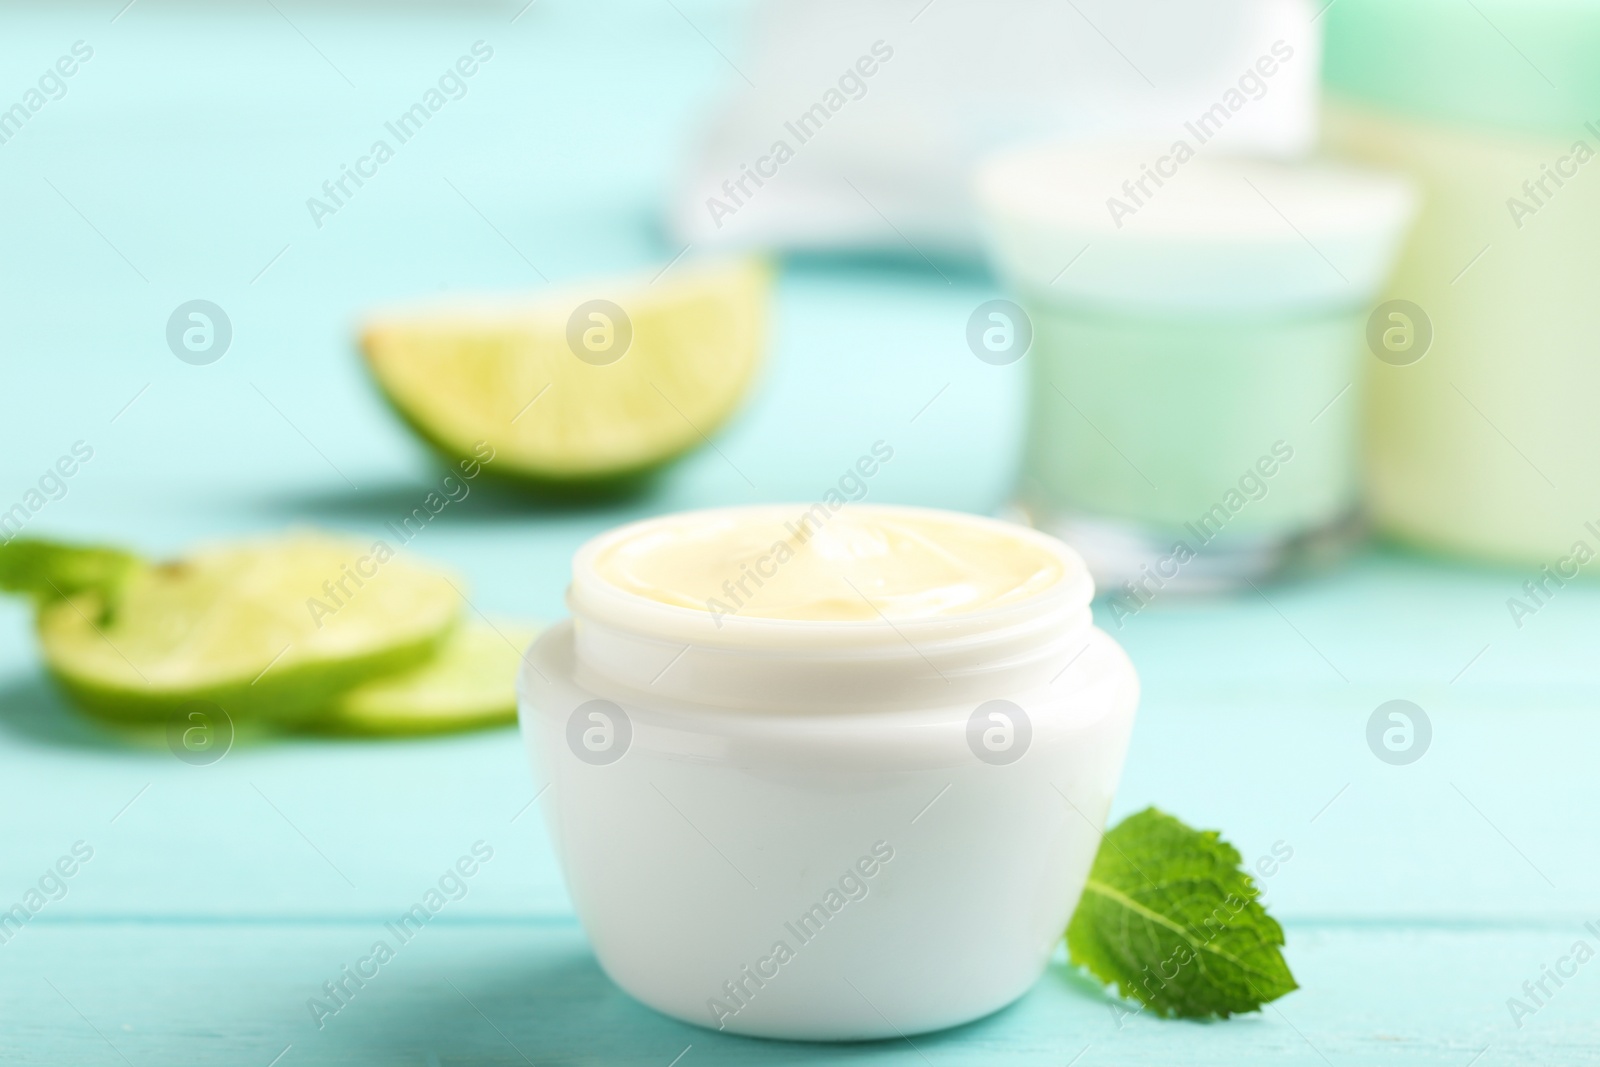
863,120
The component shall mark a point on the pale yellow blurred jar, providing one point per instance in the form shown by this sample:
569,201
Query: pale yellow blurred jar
1487,444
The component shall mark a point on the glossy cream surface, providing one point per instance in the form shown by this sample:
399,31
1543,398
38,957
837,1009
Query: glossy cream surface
857,564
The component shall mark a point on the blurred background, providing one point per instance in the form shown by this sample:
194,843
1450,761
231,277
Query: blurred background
1400,157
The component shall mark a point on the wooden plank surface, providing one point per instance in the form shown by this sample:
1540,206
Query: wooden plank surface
515,992
219,898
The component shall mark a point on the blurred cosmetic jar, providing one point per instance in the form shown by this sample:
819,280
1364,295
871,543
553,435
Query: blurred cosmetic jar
1197,325
1481,434
826,774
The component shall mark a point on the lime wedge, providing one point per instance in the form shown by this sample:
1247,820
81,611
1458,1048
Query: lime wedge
470,683
271,628
590,386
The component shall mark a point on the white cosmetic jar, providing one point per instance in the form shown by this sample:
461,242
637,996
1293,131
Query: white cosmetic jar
826,830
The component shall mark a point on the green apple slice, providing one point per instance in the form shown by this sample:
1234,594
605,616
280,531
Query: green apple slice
469,684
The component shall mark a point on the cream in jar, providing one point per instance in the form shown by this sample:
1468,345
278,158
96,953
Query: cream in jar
1182,428
747,702
812,564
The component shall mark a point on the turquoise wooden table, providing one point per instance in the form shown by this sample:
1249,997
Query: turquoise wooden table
207,904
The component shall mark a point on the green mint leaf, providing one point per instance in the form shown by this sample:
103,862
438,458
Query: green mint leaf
49,570
1168,917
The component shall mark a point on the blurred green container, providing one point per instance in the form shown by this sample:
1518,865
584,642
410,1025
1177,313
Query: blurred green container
1485,444
1197,340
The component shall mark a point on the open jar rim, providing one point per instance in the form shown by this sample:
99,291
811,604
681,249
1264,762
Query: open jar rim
629,643
592,598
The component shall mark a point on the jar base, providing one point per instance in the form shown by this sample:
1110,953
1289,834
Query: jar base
678,922
1119,551
835,1029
